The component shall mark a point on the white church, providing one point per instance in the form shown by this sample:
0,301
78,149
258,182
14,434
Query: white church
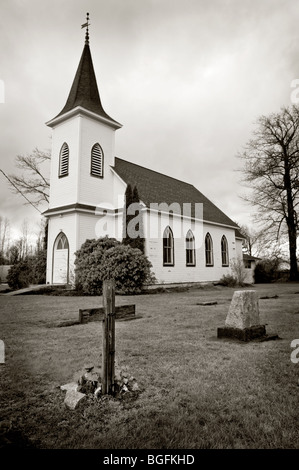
186,237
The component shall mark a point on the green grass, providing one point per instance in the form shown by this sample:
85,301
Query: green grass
196,391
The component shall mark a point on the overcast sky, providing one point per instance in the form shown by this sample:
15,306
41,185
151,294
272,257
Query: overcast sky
186,78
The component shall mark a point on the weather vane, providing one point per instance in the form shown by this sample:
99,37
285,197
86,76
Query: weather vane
85,25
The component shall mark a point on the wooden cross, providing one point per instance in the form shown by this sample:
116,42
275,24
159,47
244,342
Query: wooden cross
107,314
97,314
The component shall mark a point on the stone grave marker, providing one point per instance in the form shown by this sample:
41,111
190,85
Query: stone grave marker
73,398
243,320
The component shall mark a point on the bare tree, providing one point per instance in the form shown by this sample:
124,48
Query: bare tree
260,242
250,239
4,228
41,236
31,183
13,254
24,240
4,236
271,169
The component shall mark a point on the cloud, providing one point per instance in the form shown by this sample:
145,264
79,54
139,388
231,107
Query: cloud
186,78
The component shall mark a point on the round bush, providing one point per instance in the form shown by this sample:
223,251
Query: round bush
106,258
19,275
88,262
128,266
266,271
228,280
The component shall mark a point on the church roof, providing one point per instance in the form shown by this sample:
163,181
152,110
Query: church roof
84,91
154,187
239,235
247,257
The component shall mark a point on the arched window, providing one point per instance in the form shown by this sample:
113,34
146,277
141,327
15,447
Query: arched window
168,255
97,161
190,249
209,250
224,251
62,242
64,160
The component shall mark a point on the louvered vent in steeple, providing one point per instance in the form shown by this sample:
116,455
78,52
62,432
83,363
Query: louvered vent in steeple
97,161
64,160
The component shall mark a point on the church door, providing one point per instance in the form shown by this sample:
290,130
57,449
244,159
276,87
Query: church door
61,260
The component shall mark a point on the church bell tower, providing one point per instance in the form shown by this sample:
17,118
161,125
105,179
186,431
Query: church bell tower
81,180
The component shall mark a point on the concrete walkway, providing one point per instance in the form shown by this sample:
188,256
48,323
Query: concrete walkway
26,289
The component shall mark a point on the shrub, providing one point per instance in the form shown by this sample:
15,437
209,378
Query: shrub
20,275
128,266
238,271
106,258
39,267
29,271
266,271
237,276
228,280
88,264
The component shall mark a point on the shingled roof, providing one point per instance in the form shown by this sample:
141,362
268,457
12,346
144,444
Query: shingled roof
154,187
84,91
247,257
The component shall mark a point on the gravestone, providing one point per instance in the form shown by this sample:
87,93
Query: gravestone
244,310
70,386
73,399
243,320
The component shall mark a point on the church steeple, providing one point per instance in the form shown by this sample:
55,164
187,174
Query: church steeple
84,91
81,176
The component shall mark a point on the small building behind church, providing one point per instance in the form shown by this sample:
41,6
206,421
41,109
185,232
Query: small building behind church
250,263
187,238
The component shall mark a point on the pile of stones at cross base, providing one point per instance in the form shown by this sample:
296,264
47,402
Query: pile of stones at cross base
87,382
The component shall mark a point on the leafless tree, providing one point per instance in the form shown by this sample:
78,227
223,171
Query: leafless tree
31,182
250,240
260,242
24,240
271,170
4,236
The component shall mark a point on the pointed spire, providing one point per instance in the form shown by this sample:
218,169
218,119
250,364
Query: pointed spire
84,91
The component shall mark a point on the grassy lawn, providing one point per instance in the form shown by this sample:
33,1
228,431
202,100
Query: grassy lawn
196,391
